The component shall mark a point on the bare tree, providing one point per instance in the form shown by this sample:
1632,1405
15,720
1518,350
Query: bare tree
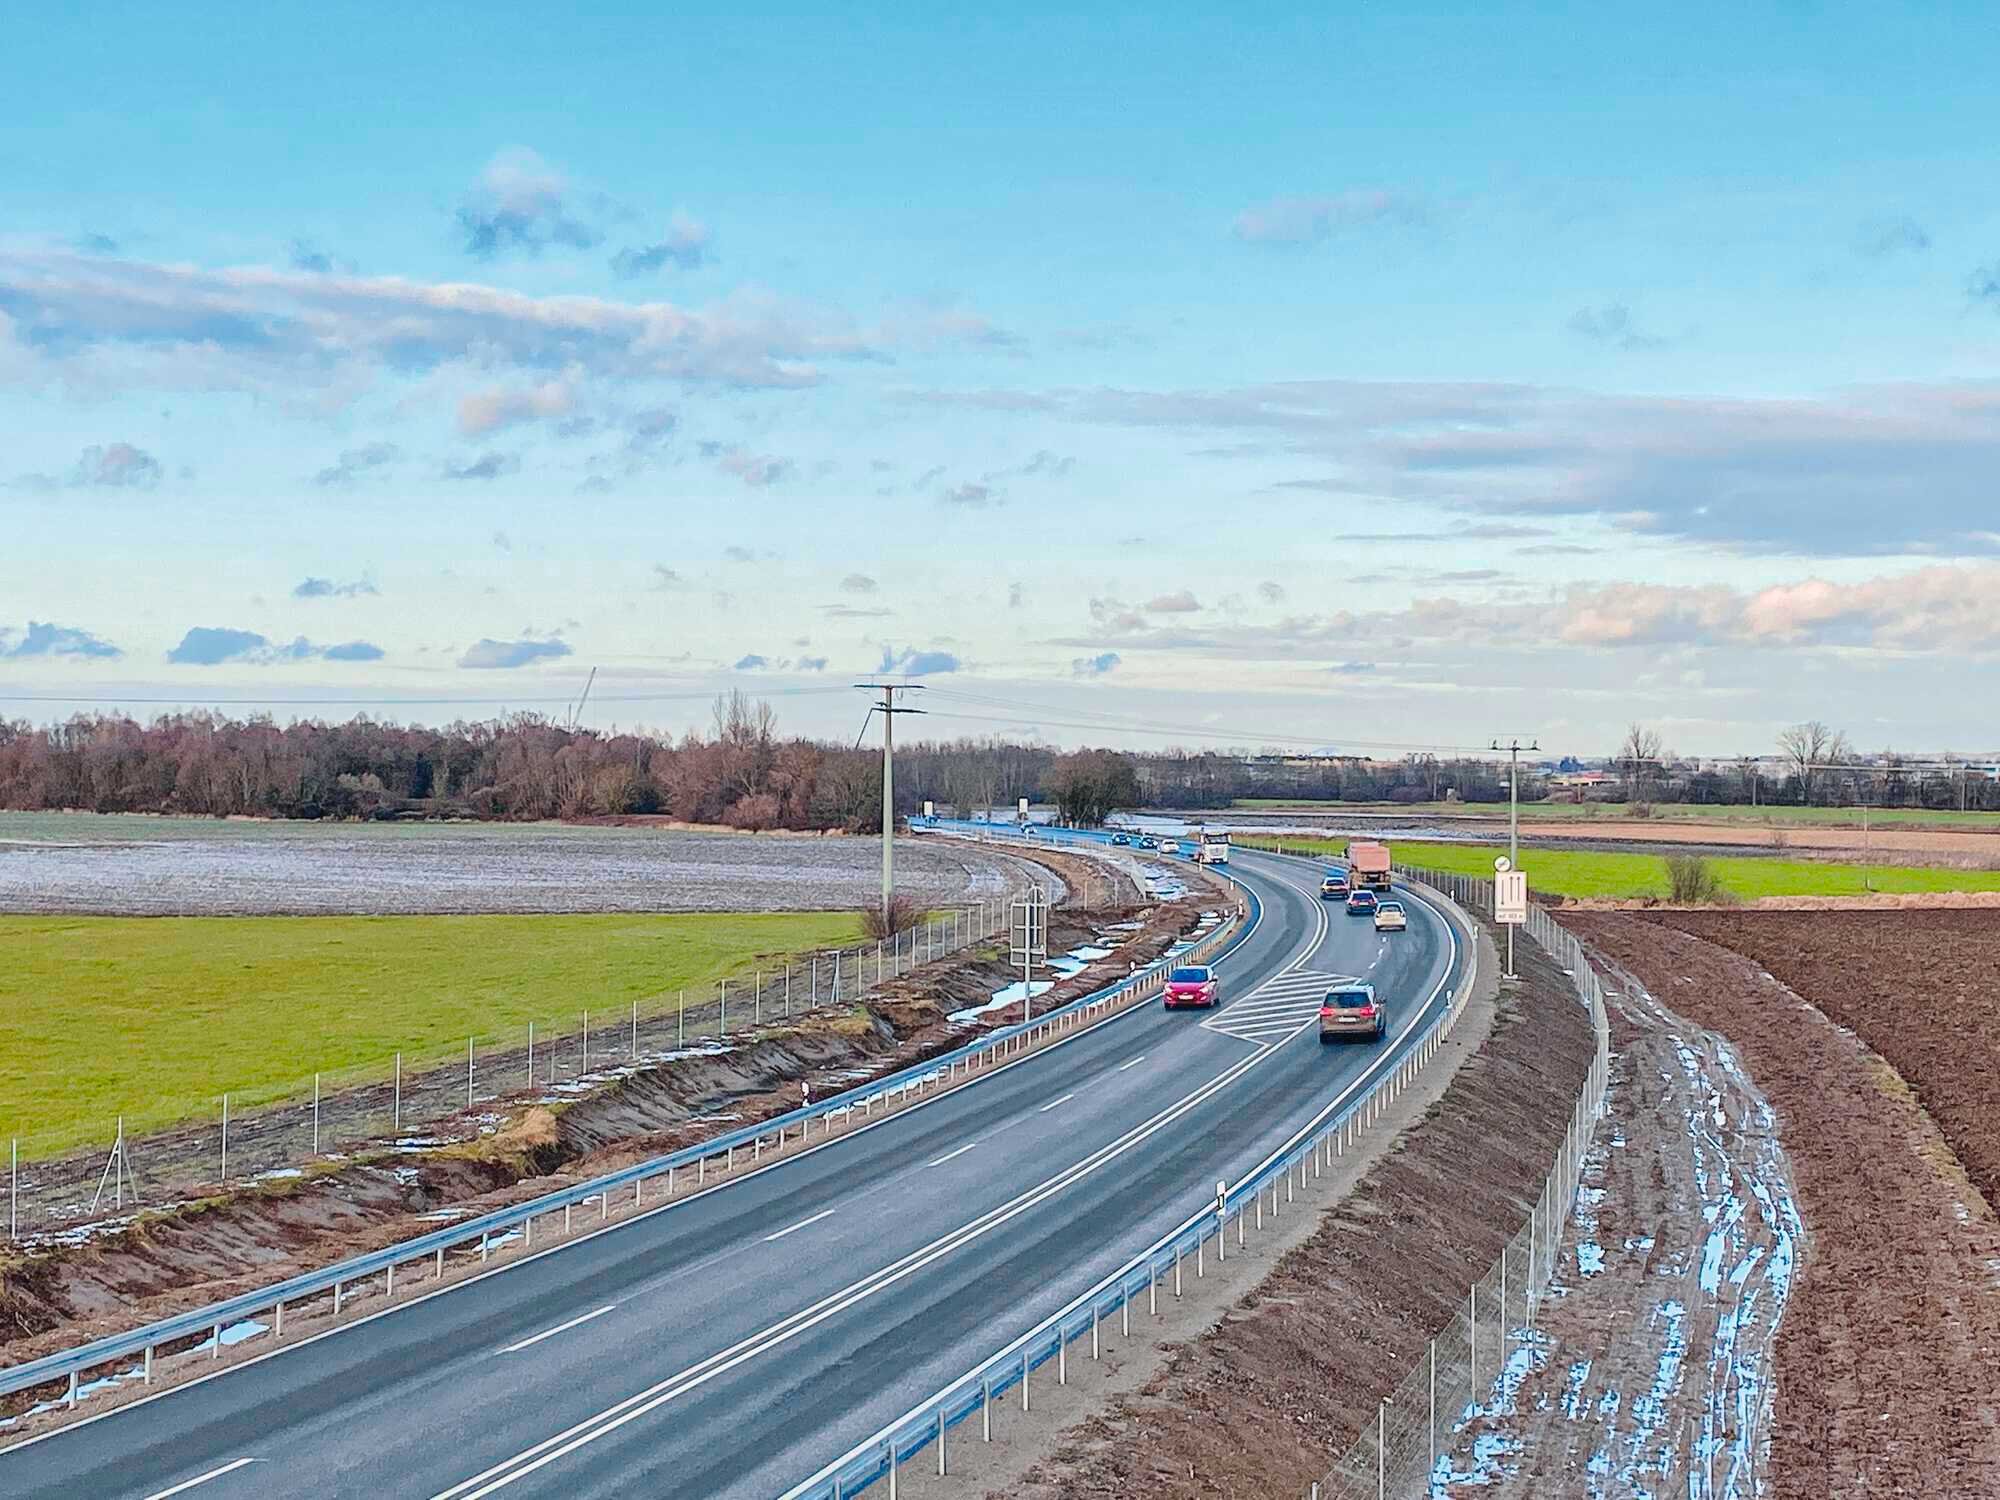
1639,757
1812,749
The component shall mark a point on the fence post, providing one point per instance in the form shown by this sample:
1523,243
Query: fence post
225,1140
399,1094
1434,1407
315,1114
684,1020
635,1030
531,1054
468,1072
1473,1323
1381,1451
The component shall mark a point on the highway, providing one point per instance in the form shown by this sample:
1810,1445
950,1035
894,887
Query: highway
730,1343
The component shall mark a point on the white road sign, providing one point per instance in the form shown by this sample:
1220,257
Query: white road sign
1510,897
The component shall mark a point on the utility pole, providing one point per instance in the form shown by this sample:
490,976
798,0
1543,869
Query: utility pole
888,708
1514,747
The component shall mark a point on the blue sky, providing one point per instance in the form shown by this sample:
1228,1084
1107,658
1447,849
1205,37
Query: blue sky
1356,376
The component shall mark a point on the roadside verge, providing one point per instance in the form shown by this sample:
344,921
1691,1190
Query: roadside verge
1253,1387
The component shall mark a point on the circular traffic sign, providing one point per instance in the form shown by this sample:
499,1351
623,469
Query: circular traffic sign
1503,864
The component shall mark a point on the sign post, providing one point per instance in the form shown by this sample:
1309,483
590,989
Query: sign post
1030,941
1510,901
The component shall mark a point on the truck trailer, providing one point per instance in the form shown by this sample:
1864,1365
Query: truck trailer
1368,865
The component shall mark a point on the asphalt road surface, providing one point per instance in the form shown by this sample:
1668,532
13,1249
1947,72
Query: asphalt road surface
731,1343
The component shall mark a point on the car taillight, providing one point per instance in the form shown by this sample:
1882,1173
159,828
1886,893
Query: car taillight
1366,1010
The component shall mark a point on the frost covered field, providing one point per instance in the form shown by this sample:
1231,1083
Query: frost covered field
60,863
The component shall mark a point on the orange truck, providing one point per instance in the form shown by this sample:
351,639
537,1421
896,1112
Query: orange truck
1368,866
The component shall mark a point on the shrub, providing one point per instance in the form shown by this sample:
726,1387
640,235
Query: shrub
1691,881
901,915
1639,810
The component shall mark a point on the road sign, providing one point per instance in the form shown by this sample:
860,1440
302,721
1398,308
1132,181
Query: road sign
930,808
1029,939
1510,896
1024,809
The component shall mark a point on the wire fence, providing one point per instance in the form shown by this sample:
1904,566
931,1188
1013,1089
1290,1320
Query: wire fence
417,1100
1407,1448
370,1279
1157,1275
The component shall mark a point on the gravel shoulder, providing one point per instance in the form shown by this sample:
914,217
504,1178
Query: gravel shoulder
1888,1355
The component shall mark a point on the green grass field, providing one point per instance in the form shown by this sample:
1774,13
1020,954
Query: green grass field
1584,873
154,1017
1678,812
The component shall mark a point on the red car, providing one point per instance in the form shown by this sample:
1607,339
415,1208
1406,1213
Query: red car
1190,986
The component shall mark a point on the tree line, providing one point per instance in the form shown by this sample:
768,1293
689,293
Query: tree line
741,771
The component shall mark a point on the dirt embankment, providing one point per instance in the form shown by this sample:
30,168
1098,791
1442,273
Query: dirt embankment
1888,1354
1261,1403
219,1244
1650,1367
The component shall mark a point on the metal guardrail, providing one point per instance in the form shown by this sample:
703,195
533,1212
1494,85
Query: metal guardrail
484,1233
1311,1150
1399,1453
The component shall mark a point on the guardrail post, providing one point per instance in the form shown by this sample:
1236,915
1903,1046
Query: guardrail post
146,1369
1024,1379
986,1408
942,1470
215,1348
892,1469
72,1388
336,1310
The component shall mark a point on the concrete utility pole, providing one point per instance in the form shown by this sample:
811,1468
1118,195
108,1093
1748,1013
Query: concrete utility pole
888,709
1514,747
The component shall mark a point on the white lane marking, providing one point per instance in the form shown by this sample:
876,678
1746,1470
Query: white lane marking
825,1213
549,1333
1381,1060
188,1484
590,1429
1132,1064
949,1155
1053,1103
1109,1018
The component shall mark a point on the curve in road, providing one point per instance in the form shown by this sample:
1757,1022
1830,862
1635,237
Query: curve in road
730,1343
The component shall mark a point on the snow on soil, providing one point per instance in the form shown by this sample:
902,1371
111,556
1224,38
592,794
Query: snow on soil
85,863
1655,1377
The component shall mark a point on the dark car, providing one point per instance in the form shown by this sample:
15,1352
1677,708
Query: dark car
1351,1010
1361,903
1121,838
